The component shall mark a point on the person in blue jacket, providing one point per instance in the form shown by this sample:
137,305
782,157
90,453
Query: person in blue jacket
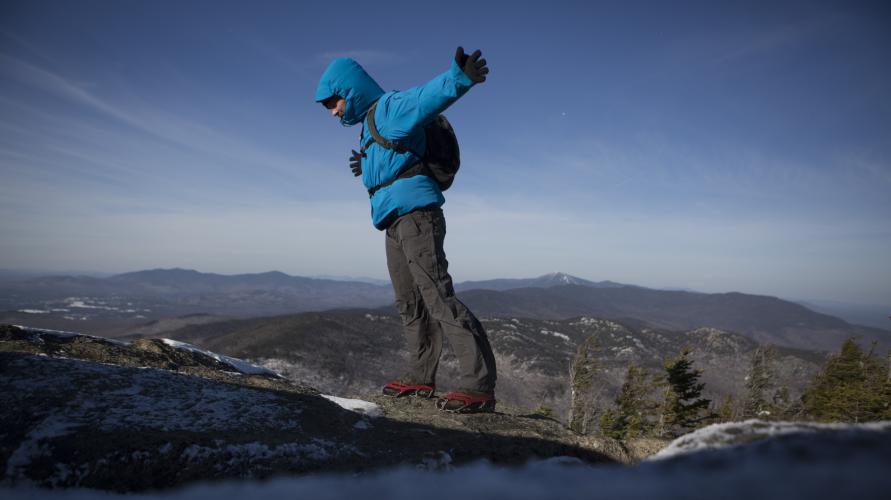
409,210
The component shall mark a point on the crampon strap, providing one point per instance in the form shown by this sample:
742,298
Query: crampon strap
467,399
398,385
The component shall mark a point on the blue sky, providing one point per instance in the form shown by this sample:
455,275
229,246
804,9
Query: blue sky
705,145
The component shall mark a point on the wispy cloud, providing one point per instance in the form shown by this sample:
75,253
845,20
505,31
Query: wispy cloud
745,42
56,85
27,46
163,125
293,62
769,41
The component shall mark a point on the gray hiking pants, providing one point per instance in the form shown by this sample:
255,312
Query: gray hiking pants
427,304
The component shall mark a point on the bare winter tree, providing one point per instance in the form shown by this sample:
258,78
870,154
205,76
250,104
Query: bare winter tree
585,393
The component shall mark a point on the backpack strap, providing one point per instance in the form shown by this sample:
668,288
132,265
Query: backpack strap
383,141
417,169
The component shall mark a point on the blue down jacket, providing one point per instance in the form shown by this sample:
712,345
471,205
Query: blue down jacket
400,116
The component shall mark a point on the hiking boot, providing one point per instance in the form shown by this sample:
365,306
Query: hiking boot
467,402
398,389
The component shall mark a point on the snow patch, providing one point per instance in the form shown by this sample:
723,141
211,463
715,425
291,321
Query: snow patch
79,304
555,334
820,466
33,447
735,433
150,398
39,332
623,352
43,331
318,449
238,364
356,405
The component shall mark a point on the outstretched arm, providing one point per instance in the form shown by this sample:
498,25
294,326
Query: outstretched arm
419,105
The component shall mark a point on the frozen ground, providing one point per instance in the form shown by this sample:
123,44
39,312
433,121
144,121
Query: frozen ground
838,463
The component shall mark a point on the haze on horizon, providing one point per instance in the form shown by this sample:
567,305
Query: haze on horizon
703,145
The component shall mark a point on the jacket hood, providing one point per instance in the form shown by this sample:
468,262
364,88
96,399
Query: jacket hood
345,78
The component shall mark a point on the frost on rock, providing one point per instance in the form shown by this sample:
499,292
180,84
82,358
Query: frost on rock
736,433
141,398
70,422
233,454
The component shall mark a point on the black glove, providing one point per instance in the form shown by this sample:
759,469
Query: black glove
356,163
474,67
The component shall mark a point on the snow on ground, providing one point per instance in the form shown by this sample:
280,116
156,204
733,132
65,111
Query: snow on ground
318,449
46,331
32,446
357,405
38,332
238,364
841,461
848,463
133,398
113,399
80,304
735,433
555,334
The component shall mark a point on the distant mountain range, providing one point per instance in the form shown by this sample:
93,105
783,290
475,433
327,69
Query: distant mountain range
353,352
762,318
119,302
874,315
545,281
173,292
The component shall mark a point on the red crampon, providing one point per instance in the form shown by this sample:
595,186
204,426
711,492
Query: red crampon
467,402
398,389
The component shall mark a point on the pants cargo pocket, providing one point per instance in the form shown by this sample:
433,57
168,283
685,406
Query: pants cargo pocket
420,243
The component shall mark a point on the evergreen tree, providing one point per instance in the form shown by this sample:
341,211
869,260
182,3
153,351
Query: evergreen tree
726,411
781,402
584,394
759,382
683,408
852,386
635,413
610,425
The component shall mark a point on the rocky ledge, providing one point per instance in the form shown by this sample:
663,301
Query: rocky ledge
90,412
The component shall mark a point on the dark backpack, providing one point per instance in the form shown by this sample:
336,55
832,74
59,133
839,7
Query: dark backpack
440,162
